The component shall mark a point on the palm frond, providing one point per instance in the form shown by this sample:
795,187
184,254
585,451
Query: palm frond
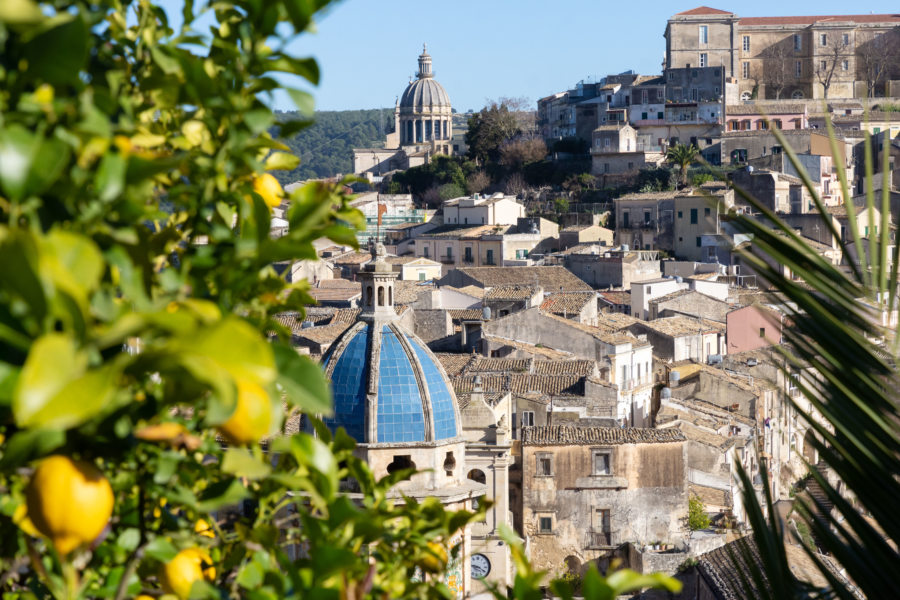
852,390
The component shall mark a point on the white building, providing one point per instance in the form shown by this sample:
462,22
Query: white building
483,210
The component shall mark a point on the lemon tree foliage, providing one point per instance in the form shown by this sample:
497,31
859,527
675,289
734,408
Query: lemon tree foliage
136,300
136,322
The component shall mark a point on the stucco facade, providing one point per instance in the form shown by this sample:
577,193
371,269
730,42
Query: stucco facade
588,491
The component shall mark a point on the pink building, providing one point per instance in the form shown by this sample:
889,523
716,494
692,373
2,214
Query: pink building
752,327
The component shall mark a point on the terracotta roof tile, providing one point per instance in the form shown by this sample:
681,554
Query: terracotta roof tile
324,334
568,304
679,326
499,365
704,10
520,383
551,279
616,297
465,314
544,351
453,363
582,368
510,292
568,435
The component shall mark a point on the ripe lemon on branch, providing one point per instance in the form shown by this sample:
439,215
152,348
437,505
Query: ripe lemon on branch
69,502
269,189
252,416
179,574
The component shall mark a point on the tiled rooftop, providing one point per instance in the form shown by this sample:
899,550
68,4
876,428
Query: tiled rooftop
465,314
352,258
616,297
510,292
582,368
521,383
680,326
499,365
551,279
549,353
568,304
452,362
324,334
568,435
602,334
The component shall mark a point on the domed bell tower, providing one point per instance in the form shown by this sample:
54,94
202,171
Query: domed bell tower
378,279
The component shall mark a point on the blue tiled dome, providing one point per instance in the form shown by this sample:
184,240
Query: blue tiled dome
411,401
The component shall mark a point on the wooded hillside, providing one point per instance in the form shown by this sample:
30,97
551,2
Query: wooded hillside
325,148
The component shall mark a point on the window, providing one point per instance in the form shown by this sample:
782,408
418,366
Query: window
644,96
659,115
745,70
824,65
704,34
694,94
425,251
698,242
489,257
797,95
421,275
845,65
606,167
823,39
798,69
845,39
644,116
706,212
745,97
704,59
746,43
680,216
798,42
545,525
605,142
544,464
601,462
693,216
762,332
468,254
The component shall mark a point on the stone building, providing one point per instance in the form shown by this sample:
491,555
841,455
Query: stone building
587,491
393,397
789,57
423,127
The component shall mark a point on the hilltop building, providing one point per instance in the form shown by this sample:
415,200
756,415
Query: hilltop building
423,127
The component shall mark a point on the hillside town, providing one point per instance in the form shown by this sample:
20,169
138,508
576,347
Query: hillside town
598,373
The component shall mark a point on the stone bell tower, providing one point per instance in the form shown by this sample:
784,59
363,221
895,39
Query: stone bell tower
378,279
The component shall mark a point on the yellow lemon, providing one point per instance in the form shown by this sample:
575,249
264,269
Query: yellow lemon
20,518
201,527
44,94
434,559
69,502
252,415
179,574
269,189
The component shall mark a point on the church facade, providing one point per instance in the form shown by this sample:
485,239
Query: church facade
423,127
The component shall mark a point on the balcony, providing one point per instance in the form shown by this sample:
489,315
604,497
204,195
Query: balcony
651,224
598,540
448,260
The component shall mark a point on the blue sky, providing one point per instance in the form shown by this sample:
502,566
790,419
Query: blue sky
481,50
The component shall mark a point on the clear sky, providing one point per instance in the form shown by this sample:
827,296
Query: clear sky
485,49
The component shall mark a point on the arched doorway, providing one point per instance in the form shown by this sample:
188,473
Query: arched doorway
477,475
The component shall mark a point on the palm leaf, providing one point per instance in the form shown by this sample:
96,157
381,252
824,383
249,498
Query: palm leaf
852,388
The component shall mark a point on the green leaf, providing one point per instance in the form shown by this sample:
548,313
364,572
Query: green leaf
241,463
162,58
129,539
234,345
57,55
302,380
27,445
221,494
110,180
306,68
20,12
18,148
303,101
52,363
281,161
161,549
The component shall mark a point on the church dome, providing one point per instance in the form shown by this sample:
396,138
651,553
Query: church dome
424,93
412,399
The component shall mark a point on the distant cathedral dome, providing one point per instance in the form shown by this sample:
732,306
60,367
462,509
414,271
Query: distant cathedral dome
424,92
424,115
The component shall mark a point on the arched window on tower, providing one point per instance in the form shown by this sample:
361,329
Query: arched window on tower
380,295
390,296
369,298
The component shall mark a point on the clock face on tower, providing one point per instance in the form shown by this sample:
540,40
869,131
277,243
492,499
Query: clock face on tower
481,566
